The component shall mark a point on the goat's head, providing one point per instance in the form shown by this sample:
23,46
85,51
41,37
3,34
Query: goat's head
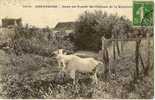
58,52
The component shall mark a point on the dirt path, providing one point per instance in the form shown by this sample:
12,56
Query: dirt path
86,54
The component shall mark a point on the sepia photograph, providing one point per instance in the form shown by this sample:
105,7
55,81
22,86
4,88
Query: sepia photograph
76,49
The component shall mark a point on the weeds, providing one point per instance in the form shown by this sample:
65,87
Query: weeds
31,72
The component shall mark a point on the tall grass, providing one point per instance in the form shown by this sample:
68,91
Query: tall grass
31,71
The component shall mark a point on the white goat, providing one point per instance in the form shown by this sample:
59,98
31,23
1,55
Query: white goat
58,54
73,63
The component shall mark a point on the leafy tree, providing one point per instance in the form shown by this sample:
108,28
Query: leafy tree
91,26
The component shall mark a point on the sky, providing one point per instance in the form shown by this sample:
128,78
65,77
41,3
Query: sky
42,17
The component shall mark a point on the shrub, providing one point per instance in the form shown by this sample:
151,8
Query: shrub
91,26
37,41
21,74
29,73
33,76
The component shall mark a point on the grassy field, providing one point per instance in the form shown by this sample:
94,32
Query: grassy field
29,71
43,70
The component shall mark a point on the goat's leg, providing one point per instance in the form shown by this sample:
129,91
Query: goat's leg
59,64
72,75
95,77
64,66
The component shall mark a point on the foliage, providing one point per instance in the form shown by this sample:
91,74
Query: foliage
30,71
30,66
141,32
91,26
33,76
19,76
39,41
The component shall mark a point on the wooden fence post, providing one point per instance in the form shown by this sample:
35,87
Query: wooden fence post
117,46
148,54
105,57
122,48
137,56
122,44
113,43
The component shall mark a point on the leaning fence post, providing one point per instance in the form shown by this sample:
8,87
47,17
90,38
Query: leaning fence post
102,43
137,56
117,46
148,54
122,44
114,53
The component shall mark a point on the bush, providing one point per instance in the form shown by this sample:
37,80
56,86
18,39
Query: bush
22,73
37,41
91,26
30,72
31,69
33,76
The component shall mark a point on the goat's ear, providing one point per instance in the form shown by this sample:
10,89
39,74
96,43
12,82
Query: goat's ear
60,51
